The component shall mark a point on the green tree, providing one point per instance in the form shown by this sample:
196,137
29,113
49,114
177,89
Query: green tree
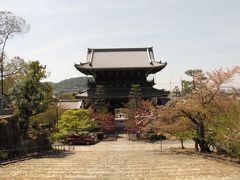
31,96
225,126
187,86
46,119
135,96
75,121
134,109
103,119
195,74
176,92
99,100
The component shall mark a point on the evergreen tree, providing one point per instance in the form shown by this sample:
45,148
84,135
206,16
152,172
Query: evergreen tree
135,96
190,86
176,92
133,107
99,100
30,95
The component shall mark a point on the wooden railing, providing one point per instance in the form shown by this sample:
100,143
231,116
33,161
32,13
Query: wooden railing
62,147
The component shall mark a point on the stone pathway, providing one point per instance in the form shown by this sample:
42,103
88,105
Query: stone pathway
122,160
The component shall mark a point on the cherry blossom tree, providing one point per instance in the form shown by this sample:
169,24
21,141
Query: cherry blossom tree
199,105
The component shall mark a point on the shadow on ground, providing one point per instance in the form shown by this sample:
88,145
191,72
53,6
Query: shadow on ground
39,155
212,155
54,154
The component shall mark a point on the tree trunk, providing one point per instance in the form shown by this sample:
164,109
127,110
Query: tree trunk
201,138
196,144
181,140
204,146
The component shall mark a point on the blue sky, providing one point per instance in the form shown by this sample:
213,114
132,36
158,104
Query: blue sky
188,34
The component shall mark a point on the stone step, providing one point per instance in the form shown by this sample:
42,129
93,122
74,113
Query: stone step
121,160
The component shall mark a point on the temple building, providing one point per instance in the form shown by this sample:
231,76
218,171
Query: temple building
116,69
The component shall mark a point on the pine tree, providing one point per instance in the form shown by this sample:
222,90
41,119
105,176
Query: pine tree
99,100
132,108
135,96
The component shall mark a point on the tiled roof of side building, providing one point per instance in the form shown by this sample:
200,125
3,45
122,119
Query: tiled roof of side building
69,104
115,58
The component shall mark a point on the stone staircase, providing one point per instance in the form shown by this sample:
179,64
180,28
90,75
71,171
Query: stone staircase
121,160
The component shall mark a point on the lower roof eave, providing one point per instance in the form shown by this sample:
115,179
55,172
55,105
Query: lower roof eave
90,70
120,97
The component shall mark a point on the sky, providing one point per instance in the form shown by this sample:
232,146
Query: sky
187,34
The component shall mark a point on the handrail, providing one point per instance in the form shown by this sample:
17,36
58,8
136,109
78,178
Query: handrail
60,146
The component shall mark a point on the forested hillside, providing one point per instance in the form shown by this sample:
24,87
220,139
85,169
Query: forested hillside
71,85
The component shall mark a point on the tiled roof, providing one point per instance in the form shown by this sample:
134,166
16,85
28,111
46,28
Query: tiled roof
124,58
69,104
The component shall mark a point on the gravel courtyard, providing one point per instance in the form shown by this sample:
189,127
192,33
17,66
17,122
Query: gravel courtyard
122,160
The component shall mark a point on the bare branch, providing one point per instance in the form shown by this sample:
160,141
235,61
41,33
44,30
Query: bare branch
10,25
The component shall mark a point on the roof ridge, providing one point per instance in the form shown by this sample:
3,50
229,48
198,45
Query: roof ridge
121,48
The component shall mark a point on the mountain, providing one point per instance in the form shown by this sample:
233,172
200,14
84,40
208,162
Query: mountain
71,85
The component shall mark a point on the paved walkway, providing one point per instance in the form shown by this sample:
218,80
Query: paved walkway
122,160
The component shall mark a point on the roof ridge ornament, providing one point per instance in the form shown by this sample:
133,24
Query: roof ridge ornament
149,58
90,63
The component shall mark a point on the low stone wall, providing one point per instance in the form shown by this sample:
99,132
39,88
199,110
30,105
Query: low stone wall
10,135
